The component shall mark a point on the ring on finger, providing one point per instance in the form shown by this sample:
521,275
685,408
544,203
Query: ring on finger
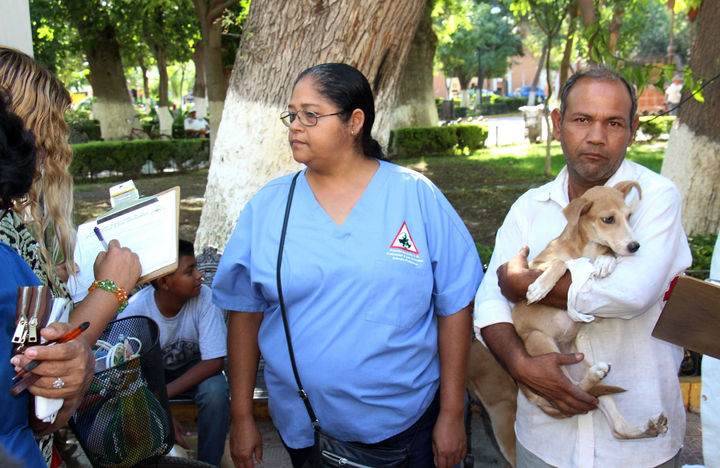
58,384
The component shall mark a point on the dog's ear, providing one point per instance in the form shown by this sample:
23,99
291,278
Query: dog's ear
575,210
625,186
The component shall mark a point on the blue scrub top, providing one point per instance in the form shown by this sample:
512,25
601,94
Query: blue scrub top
362,300
16,437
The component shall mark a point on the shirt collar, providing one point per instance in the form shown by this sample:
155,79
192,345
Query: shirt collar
557,190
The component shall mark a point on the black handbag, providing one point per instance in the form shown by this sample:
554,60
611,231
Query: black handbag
328,451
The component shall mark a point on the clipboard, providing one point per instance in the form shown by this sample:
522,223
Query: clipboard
691,317
148,226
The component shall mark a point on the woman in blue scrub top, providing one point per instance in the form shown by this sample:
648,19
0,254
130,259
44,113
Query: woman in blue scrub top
378,277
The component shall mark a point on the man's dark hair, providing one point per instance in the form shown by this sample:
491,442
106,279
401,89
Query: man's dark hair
185,249
598,73
17,155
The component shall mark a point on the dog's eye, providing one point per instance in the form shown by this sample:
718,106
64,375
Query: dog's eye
608,220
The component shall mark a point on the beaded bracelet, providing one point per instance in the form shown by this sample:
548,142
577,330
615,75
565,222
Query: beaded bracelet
111,287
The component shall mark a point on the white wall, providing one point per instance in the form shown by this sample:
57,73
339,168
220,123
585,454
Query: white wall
15,25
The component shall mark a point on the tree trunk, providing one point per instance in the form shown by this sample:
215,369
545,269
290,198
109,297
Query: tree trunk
615,25
146,81
164,115
546,111
589,16
279,41
536,78
199,89
112,106
209,12
416,101
569,47
692,159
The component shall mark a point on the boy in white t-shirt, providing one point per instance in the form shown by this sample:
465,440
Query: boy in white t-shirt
193,341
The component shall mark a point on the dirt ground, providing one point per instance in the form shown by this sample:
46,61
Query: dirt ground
480,198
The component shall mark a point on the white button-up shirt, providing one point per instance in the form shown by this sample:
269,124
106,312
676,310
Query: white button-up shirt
629,301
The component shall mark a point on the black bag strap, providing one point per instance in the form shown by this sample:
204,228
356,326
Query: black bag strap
301,392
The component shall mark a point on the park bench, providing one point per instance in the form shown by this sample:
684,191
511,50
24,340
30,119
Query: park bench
184,409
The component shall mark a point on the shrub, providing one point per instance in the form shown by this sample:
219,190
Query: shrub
701,246
654,126
502,105
471,136
485,253
83,127
423,141
435,141
129,157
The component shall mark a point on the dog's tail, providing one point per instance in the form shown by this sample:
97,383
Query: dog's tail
602,389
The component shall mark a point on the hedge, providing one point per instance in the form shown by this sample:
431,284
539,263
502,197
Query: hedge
492,105
436,141
129,157
656,126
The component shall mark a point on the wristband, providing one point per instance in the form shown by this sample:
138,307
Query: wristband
111,287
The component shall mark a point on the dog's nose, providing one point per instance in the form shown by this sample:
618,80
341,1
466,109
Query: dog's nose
633,246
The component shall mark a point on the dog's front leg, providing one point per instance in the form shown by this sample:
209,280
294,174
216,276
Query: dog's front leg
604,265
546,281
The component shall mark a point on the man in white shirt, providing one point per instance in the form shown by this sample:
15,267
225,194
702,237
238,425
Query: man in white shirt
195,127
595,125
673,93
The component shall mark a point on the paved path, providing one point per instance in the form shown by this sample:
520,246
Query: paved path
508,130
486,456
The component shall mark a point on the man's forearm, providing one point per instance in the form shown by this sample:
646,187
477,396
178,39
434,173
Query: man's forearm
505,344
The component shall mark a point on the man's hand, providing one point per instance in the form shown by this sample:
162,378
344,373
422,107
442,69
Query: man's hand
541,373
545,377
514,277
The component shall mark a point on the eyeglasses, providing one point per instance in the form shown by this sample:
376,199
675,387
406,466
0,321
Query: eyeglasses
307,118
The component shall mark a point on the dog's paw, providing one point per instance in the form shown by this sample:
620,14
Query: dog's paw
537,290
656,426
600,370
604,265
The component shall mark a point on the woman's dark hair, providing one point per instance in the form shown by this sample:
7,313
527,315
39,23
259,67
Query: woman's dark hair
347,88
17,156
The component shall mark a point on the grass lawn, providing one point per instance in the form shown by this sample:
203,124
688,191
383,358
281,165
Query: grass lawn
480,186
483,185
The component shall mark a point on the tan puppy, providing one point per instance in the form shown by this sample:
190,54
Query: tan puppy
597,229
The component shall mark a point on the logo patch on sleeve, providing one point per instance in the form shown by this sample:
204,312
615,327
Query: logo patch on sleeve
403,240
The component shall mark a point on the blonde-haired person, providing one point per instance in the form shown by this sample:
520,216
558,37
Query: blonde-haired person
40,99
44,216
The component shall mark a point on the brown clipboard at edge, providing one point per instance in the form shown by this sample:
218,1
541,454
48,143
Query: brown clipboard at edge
691,317
172,266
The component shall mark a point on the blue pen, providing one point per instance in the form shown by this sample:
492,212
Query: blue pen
100,237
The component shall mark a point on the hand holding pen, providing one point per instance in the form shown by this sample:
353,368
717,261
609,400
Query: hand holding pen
69,336
66,367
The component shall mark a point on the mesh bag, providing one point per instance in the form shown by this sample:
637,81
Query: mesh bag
124,416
